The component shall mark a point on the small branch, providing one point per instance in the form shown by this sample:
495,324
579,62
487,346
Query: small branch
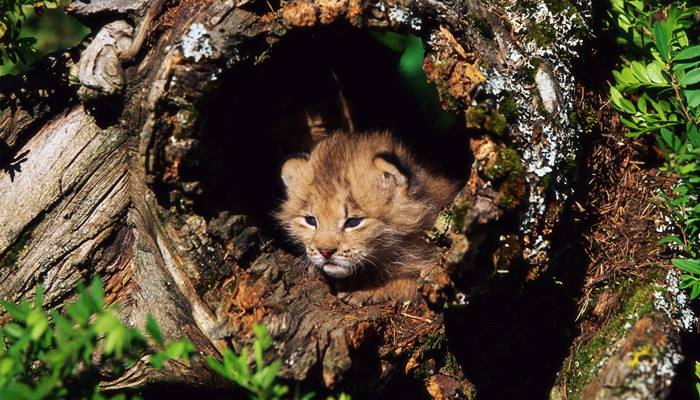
680,100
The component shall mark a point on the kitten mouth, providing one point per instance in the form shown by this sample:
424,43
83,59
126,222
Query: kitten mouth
335,270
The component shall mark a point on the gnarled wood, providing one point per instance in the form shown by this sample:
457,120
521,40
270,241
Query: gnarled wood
155,165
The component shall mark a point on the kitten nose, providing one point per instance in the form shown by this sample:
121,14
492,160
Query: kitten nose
327,253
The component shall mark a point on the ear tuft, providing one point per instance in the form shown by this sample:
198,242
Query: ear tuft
390,167
292,170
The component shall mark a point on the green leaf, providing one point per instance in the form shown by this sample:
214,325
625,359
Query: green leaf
642,104
620,102
154,330
308,396
687,168
695,291
238,364
654,72
97,292
19,313
662,107
258,354
685,65
618,77
271,372
673,239
692,266
37,324
640,72
629,76
693,97
280,390
687,54
16,391
219,368
157,360
180,349
106,323
661,41
261,332
14,330
80,313
39,296
673,141
687,281
690,78
116,341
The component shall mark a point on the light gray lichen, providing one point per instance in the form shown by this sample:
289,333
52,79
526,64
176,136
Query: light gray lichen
400,15
676,305
195,43
548,140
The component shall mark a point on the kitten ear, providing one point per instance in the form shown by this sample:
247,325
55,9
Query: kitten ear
292,170
391,169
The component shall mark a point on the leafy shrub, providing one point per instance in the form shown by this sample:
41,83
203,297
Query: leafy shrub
12,46
661,78
62,356
261,384
29,29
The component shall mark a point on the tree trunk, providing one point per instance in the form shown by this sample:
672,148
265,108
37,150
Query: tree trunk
150,155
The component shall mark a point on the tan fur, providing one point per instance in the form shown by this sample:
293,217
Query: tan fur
372,177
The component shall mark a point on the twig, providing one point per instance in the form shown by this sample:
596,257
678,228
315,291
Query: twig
427,320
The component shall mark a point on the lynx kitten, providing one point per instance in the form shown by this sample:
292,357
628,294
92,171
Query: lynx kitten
361,204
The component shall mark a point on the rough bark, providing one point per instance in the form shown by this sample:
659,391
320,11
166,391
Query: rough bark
141,155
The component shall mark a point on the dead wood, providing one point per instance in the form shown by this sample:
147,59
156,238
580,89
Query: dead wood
150,155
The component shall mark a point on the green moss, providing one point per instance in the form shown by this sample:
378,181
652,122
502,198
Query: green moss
589,118
509,252
439,233
531,71
475,117
559,6
507,166
546,181
570,168
541,109
508,173
481,25
508,201
460,210
160,214
573,119
436,341
179,202
636,301
17,250
542,33
449,102
508,107
496,123
187,119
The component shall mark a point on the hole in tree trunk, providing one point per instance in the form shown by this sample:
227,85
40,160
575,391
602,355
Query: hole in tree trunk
336,76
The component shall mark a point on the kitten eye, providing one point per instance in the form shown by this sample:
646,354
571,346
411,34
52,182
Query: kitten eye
310,220
352,222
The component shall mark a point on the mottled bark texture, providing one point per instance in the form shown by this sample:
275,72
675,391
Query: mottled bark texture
150,155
